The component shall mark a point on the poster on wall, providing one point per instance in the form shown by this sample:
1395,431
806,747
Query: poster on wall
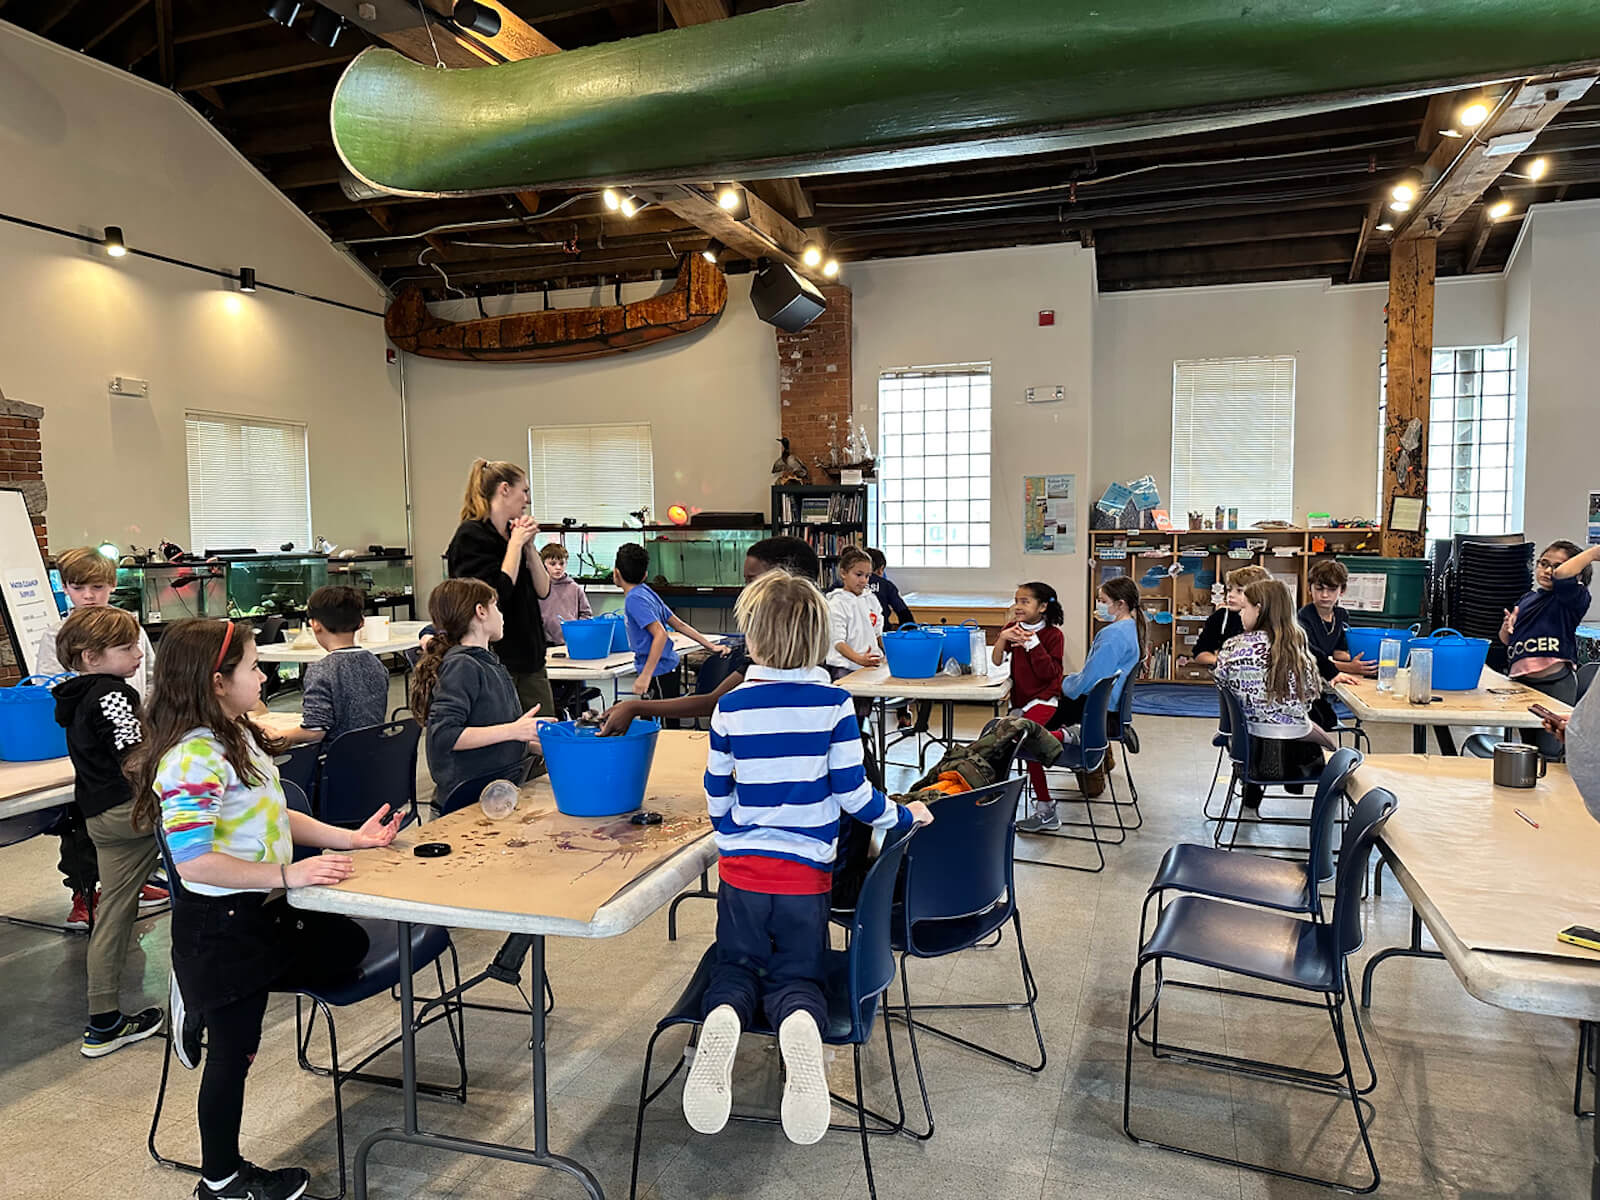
1594,519
1050,514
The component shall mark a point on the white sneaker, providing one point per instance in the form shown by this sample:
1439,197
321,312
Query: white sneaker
708,1092
1041,822
807,1107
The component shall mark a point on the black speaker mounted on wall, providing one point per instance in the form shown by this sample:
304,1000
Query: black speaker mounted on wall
784,298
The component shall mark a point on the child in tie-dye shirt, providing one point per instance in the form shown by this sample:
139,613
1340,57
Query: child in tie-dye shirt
204,776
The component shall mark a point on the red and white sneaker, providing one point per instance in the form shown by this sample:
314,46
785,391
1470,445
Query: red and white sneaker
81,916
152,897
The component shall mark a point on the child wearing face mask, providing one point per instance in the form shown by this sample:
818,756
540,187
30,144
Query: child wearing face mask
1033,642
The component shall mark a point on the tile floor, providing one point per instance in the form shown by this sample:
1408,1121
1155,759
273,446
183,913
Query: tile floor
1472,1101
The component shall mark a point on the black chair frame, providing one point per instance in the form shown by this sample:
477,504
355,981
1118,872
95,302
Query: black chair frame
1094,757
1241,749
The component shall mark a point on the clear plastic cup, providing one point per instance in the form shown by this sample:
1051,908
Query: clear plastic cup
1388,663
498,800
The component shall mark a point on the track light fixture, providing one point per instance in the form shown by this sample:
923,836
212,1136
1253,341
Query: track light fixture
247,279
830,268
477,18
631,205
1496,205
113,242
283,12
1472,115
1385,226
730,199
612,199
325,27
1537,169
811,255
713,251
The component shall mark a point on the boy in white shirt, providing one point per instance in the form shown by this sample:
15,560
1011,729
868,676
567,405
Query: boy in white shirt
855,616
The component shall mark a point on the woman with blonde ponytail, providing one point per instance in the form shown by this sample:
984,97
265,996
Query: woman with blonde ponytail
495,543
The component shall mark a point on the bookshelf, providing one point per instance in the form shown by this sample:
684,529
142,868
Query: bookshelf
826,517
1146,554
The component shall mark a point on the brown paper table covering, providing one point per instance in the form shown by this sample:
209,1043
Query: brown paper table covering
1500,884
539,862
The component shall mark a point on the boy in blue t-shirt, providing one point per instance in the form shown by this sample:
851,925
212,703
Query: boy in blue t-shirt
648,618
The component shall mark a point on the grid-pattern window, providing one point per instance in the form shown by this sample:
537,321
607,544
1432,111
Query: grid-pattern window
597,475
1233,437
248,483
1472,439
933,468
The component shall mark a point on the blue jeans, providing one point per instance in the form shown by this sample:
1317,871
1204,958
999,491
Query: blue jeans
770,956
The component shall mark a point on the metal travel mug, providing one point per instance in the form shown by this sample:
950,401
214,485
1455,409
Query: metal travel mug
1517,765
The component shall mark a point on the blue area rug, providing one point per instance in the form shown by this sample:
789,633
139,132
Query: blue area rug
1189,700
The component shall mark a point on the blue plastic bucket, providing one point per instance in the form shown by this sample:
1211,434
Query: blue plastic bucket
28,729
587,639
1457,661
913,653
957,643
1366,643
619,631
594,776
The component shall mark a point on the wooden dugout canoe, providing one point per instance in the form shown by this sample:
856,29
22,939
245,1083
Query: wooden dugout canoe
835,85
563,334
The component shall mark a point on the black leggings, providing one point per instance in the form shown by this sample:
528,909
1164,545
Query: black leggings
320,949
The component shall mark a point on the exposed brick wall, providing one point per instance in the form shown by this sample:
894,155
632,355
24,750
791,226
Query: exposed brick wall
814,382
22,467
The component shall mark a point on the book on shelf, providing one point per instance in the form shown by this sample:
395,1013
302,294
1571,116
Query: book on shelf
837,508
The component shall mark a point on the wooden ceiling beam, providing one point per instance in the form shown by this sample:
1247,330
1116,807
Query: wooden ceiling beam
1329,251
166,68
273,139
1224,278
59,11
1461,169
111,26
697,12
1369,226
243,65
1273,227
310,172
398,23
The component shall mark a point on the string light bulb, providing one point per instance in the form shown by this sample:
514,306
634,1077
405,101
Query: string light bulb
113,242
1537,169
1496,205
811,255
831,267
1404,192
1473,115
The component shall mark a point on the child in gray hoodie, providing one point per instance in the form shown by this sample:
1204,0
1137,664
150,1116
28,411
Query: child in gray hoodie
567,600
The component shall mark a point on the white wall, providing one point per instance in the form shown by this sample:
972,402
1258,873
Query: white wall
1336,335
83,147
1551,303
983,307
711,398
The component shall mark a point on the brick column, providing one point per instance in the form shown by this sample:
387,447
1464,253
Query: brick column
22,468
814,382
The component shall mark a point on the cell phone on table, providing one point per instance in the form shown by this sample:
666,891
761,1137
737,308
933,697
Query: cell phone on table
1580,935
1543,713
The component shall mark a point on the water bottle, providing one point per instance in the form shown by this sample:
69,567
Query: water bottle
498,800
1388,663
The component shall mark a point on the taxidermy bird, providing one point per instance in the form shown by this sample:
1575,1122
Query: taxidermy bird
787,467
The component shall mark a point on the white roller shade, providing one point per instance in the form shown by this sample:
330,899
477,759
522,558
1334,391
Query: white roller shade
249,483
1233,437
597,474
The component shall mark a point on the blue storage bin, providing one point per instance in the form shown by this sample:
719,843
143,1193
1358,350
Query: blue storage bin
957,643
912,652
1457,660
28,729
587,639
594,776
619,631
1366,642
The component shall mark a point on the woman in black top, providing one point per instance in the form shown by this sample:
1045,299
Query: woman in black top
495,543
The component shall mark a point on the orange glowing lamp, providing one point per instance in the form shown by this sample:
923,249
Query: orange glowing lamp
678,514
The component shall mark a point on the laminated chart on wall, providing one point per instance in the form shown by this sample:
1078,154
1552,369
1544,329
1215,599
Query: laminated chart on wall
1050,514
1366,593
30,607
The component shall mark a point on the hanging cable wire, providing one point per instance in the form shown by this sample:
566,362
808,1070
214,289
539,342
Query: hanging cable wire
427,27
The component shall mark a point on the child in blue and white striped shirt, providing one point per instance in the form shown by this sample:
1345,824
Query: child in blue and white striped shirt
785,761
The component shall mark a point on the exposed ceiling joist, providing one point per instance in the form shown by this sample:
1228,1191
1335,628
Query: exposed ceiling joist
1369,226
1332,222
697,12
244,65
1463,168
114,24
400,24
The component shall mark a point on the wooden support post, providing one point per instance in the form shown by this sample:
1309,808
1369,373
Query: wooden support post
1410,374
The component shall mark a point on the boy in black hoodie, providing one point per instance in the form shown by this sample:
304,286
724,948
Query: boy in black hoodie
100,711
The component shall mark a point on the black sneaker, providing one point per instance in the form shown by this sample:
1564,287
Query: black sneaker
255,1183
99,1042
185,1027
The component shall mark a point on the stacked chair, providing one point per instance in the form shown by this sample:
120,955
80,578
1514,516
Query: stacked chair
1482,579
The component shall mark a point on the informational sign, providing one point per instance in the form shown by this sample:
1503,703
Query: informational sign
30,608
1366,593
1050,514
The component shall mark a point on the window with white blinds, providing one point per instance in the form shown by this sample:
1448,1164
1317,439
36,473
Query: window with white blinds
597,475
249,483
1233,437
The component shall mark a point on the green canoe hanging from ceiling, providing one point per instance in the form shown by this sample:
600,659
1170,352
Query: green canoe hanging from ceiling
833,85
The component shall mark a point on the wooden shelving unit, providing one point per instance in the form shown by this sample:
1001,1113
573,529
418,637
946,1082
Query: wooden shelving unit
847,509
1147,554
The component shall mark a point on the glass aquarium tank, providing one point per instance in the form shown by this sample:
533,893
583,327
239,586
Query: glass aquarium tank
700,558
161,592
385,578
262,585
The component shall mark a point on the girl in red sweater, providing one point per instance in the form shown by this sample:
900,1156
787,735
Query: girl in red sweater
1033,640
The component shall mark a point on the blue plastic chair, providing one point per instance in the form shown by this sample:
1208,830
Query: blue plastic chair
1120,732
1243,750
1289,951
364,769
958,890
378,972
857,982
1087,754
